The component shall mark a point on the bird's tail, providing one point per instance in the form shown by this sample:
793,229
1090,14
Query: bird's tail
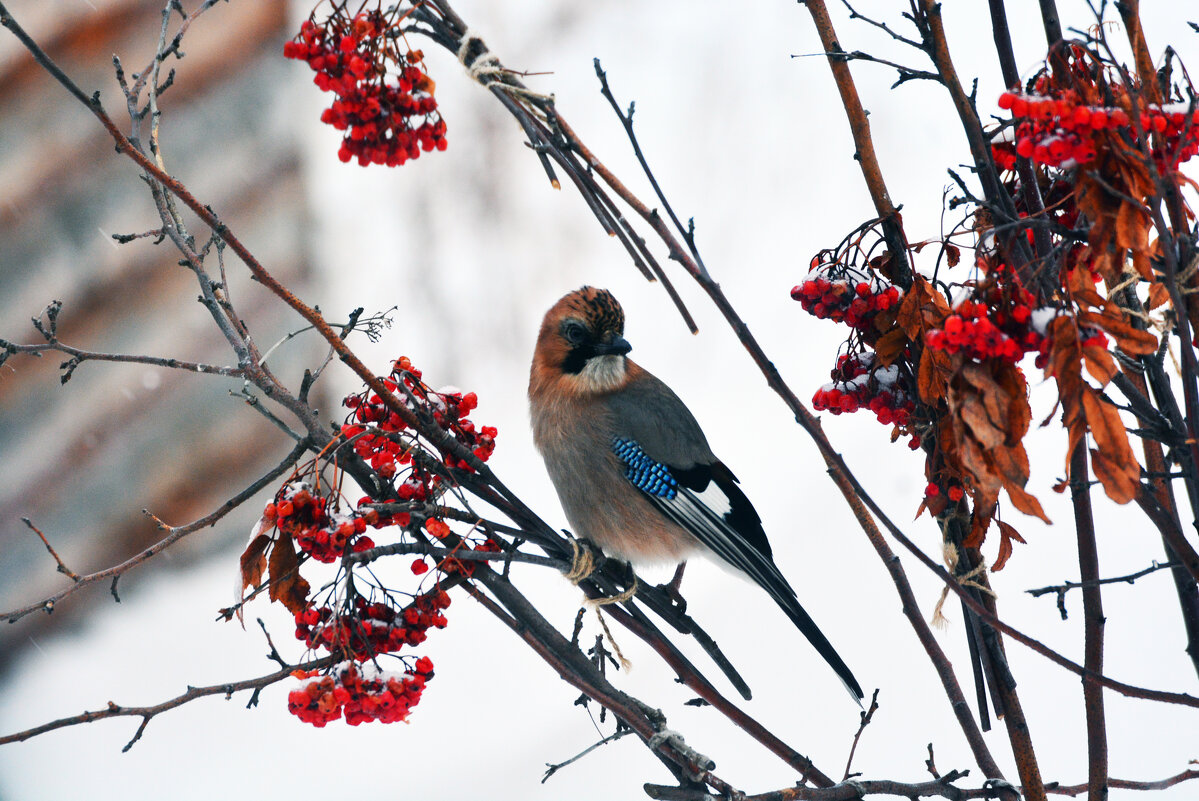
803,621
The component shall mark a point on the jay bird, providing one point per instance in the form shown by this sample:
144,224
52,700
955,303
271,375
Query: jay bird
630,464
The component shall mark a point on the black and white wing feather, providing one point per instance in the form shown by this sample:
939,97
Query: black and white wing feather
704,499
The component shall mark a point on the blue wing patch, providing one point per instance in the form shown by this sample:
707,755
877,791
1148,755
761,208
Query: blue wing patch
652,478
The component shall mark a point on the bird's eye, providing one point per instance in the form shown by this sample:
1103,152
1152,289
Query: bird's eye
574,332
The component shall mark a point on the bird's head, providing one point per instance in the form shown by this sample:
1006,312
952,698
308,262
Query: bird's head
582,342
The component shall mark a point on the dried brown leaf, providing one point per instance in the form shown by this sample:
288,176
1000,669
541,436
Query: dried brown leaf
1116,466
1011,464
1116,481
1131,339
930,378
253,561
1131,227
979,523
890,346
286,584
1100,363
952,255
972,411
1019,413
1007,535
1026,502
1159,295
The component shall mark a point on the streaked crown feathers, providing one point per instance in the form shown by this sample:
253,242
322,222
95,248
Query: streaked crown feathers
597,308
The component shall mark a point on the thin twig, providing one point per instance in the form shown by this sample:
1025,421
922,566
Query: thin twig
147,713
867,716
62,568
552,768
176,533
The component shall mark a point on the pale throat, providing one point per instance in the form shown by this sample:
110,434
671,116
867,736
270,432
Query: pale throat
602,373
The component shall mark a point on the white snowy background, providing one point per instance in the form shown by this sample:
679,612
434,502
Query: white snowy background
475,245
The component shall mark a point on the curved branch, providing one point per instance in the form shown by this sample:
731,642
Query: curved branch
177,533
147,713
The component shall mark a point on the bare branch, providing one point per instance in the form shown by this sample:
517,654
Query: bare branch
175,534
147,713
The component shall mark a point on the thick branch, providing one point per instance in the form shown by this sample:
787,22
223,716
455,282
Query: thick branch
859,126
1092,602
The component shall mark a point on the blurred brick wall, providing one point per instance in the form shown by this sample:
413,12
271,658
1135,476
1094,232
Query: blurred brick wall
82,460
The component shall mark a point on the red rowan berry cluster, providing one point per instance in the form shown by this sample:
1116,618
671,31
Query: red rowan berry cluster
1058,130
360,693
379,433
384,101
858,384
979,332
838,293
320,532
370,629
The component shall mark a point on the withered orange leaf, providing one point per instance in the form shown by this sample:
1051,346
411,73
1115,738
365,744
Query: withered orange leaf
979,524
936,504
1141,263
973,459
952,255
922,308
253,561
909,317
1007,535
1100,363
1106,426
1132,227
994,396
1026,502
972,411
1019,413
1116,482
1103,263
286,584
1159,295
1089,296
1131,339
885,320
890,346
930,379
1011,463
1116,466
920,509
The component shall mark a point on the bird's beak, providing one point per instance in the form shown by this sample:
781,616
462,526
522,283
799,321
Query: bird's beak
617,347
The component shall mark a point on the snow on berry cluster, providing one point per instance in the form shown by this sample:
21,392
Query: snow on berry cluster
379,433
383,100
1002,325
834,292
320,532
367,630
858,384
360,693
1058,130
